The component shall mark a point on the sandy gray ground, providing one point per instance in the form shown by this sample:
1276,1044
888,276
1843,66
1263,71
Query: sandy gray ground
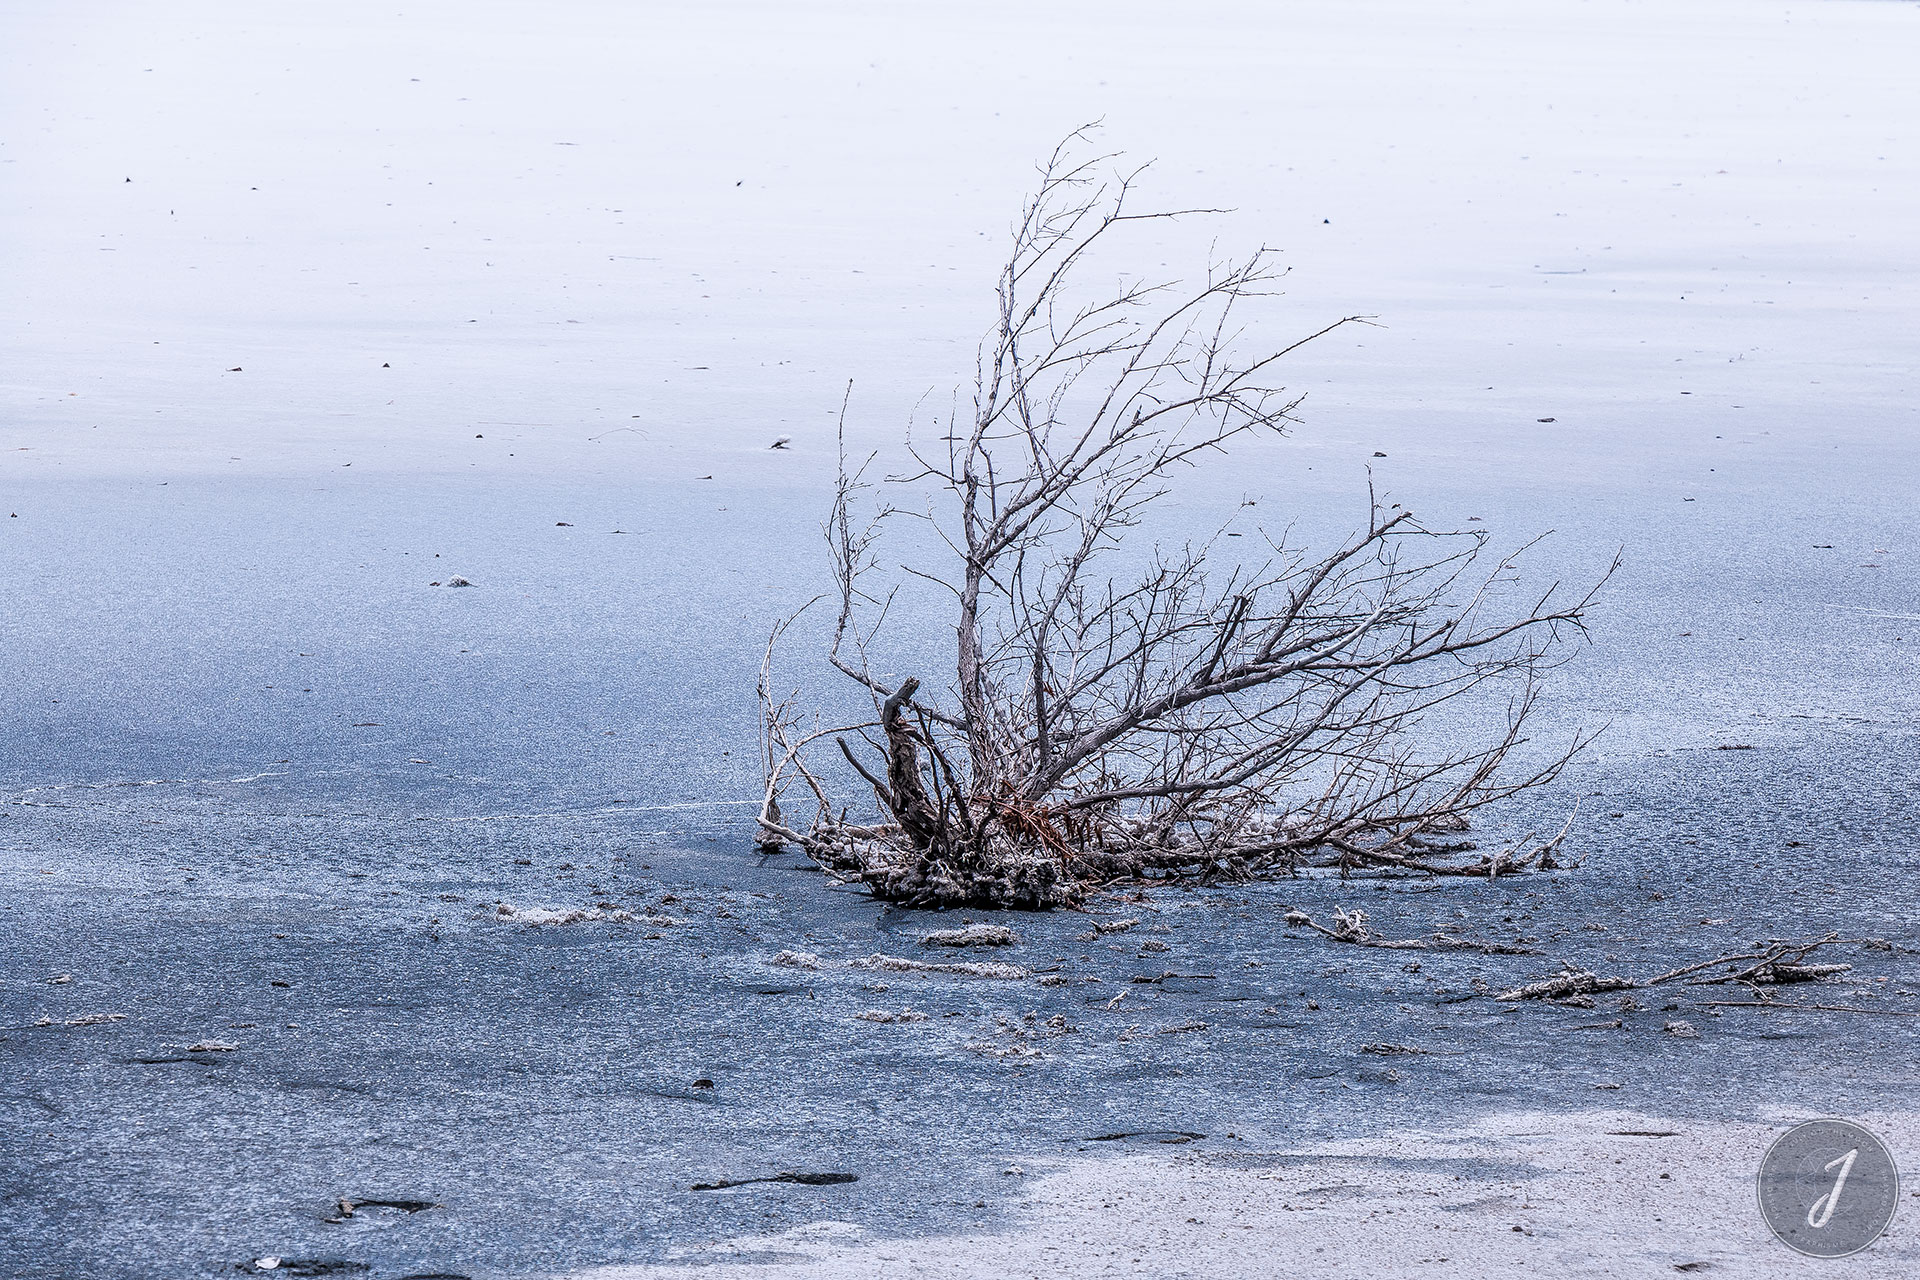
395,1037
1580,1193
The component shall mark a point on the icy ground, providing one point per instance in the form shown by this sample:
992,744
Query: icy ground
308,307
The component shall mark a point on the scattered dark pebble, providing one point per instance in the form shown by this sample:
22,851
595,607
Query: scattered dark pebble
346,1207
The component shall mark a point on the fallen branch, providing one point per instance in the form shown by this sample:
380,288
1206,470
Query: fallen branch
1826,1008
1568,982
1775,964
1351,927
1160,978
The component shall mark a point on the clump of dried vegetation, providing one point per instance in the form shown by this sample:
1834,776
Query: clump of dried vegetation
1183,713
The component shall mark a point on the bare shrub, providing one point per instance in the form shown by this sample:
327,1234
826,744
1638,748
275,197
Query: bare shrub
1195,714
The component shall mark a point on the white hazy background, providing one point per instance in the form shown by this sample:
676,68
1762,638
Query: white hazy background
464,253
704,218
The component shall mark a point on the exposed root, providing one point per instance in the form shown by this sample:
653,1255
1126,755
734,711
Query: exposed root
999,872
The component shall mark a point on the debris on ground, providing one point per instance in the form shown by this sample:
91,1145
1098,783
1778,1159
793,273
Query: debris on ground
882,1015
507,913
972,969
973,935
1351,927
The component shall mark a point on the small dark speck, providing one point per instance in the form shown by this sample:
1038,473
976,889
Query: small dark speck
1543,419
561,524
235,369
1378,454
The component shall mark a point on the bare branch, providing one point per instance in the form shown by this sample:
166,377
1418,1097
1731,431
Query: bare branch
1192,714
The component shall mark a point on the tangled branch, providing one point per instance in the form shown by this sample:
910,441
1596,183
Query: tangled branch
1188,714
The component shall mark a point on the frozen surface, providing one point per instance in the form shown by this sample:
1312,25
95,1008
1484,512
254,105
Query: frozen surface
307,307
